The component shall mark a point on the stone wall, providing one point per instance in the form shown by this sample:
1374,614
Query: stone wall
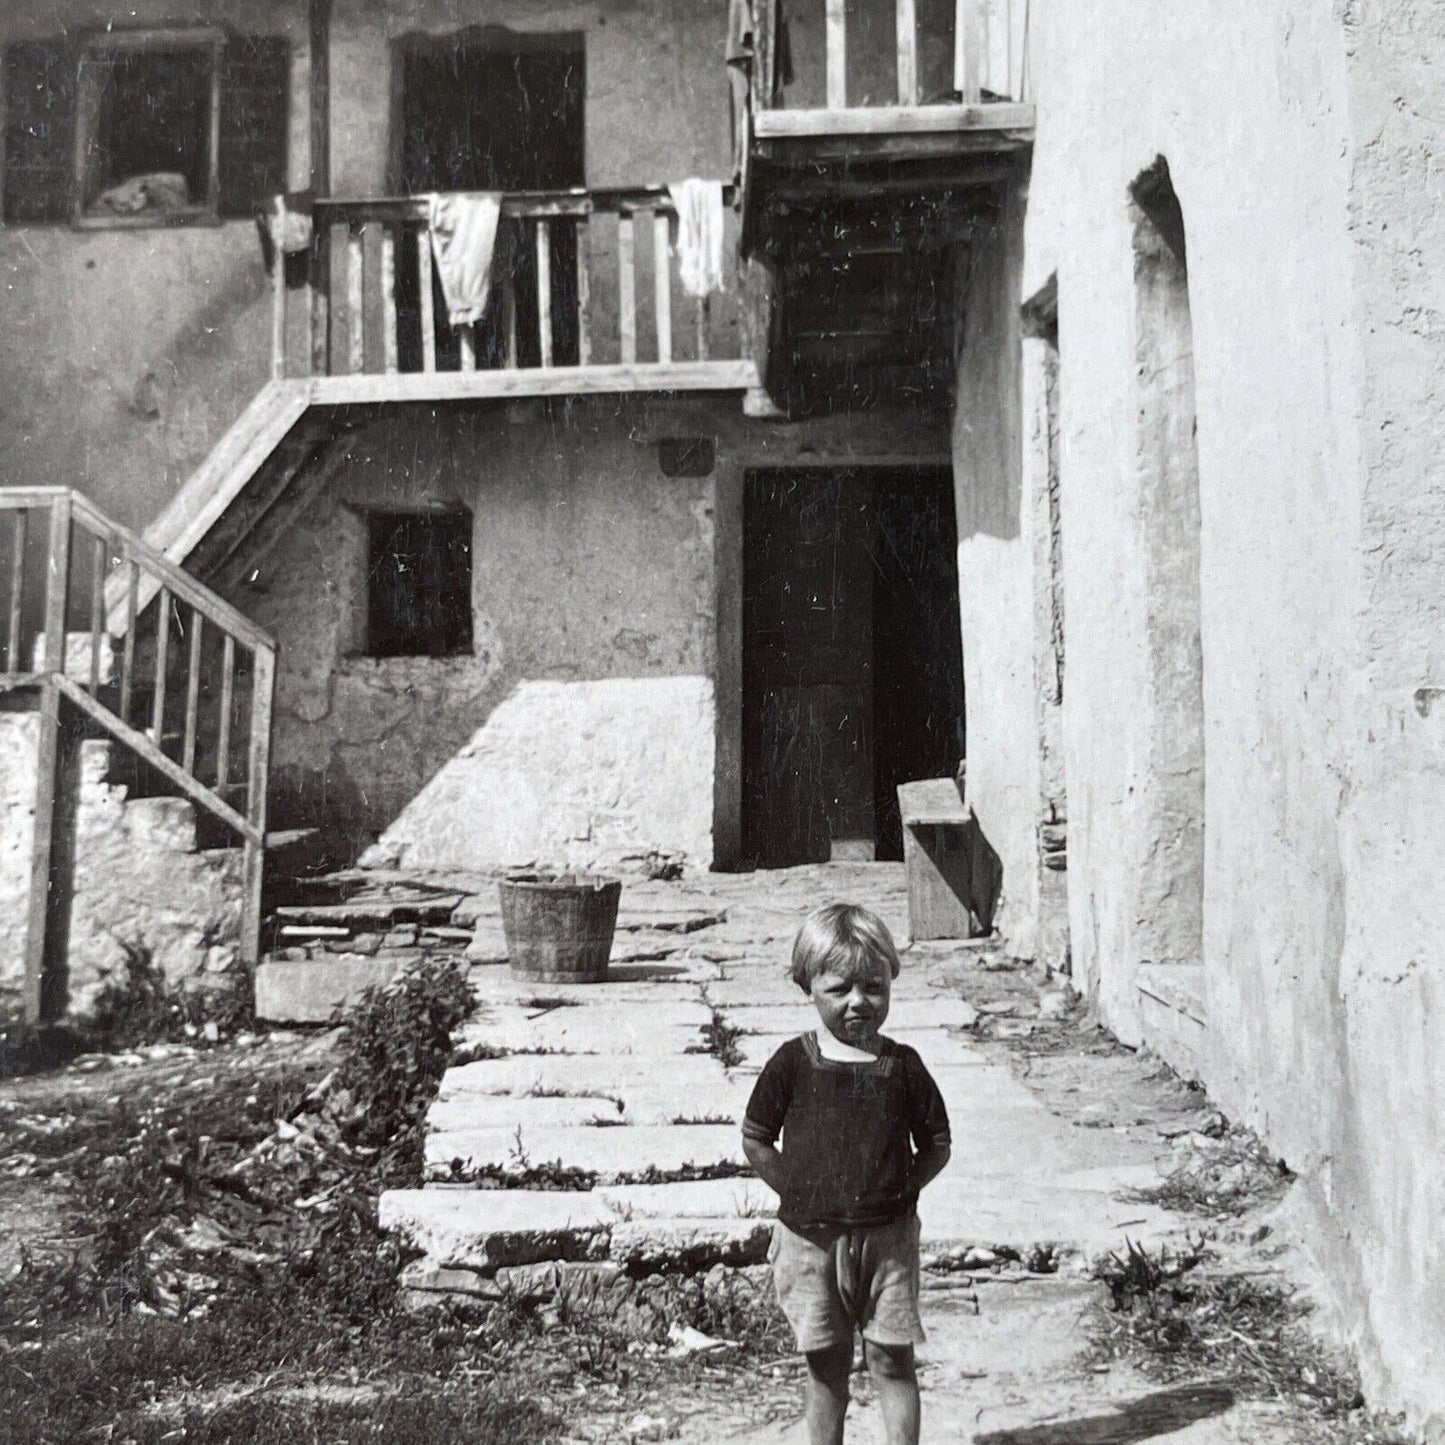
1317,357
141,882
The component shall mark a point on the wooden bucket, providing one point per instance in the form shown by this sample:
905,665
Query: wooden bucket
559,926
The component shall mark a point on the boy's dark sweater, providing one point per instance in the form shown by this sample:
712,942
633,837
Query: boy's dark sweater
849,1131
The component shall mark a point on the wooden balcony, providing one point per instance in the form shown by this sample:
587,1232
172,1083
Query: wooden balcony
585,299
839,103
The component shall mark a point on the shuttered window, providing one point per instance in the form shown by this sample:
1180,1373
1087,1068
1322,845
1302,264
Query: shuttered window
145,104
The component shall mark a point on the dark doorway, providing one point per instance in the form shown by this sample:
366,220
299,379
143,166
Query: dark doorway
490,110
852,657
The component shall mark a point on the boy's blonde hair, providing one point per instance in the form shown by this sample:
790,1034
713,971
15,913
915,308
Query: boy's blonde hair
842,938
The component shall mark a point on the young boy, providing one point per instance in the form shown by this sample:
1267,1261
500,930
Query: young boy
863,1130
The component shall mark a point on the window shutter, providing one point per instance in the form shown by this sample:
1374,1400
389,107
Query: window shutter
255,111
39,129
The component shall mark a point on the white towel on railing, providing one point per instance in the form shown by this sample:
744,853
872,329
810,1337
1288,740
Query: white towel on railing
463,227
699,206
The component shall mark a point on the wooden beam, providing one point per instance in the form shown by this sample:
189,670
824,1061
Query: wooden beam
662,284
319,27
428,303
1001,116
836,22
907,21
13,640
390,362
356,297
536,381
582,231
263,691
544,292
627,288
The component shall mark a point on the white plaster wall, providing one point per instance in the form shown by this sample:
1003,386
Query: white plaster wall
577,773
1301,143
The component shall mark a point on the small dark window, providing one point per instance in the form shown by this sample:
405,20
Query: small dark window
419,592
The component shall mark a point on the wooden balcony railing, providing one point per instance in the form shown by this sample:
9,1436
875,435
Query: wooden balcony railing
583,279
982,57
190,693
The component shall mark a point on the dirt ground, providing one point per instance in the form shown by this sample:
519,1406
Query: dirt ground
1013,1356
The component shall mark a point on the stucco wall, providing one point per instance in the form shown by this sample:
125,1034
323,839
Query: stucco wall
1300,146
589,566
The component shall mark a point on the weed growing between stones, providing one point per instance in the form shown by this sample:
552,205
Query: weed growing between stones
685,1119
1167,1314
1225,1176
720,1039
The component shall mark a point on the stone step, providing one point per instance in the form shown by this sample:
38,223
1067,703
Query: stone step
608,1152
599,1028
374,914
315,990
594,1075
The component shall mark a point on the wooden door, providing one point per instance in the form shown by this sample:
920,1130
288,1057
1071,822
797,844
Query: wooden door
807,668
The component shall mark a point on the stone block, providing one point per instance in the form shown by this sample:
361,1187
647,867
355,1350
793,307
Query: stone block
690,1244
487,1229
162,824
602,1075
312,992
741,1198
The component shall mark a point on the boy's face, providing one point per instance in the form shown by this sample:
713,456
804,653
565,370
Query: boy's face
853,1005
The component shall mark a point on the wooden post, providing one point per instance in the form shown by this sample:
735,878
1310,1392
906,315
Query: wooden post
662,283
320,259
99,557
228,703
163,649
390,360
907,52
57,583
627,287
319,15
428,304
544,291
837,30
356,297
14,643
584,296
509,317
278,314
263,687
970,46
703,323
467,334
127,653
193,691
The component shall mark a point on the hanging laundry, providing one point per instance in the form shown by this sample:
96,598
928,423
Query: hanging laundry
699,206
463,227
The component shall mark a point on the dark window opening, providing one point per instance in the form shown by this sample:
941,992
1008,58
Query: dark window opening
119,130
419,584
489,109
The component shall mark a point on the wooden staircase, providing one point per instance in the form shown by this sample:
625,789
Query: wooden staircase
107,637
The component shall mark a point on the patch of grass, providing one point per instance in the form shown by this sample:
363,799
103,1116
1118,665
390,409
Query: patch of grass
1168,1315
685,1119
606,1121
720,1039
477,1053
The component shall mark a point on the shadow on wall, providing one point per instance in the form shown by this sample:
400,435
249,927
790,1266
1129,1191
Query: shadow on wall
575,773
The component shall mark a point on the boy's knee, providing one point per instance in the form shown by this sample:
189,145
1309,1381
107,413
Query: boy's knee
832,1365
889,1362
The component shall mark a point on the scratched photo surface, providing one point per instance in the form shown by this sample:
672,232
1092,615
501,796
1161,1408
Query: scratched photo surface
721,720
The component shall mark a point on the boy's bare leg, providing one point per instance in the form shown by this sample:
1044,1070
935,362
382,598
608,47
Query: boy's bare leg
825,1399
895,1378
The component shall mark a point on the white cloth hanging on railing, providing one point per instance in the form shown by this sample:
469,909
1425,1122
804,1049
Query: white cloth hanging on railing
699,206
463,229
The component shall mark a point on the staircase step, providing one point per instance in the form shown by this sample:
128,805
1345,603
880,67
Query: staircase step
313,992
374,914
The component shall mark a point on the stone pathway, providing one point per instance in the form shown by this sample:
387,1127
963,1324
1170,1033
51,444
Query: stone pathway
612,1114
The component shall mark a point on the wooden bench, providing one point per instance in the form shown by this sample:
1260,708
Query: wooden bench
939,860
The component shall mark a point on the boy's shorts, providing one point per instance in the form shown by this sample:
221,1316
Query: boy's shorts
833,1281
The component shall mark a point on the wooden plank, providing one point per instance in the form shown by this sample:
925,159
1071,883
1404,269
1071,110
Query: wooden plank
319,32
356,298
163,649
99,562
702,323
1005,117
228,702
388,300
467,335
627,287
836,23
662,283
680,376
13,641
47,760
17,498
57,583
320,301
127,655
278,316
584,295
544,291
428,302
149,753
193,692
907,18
975,47
509,320
263,688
